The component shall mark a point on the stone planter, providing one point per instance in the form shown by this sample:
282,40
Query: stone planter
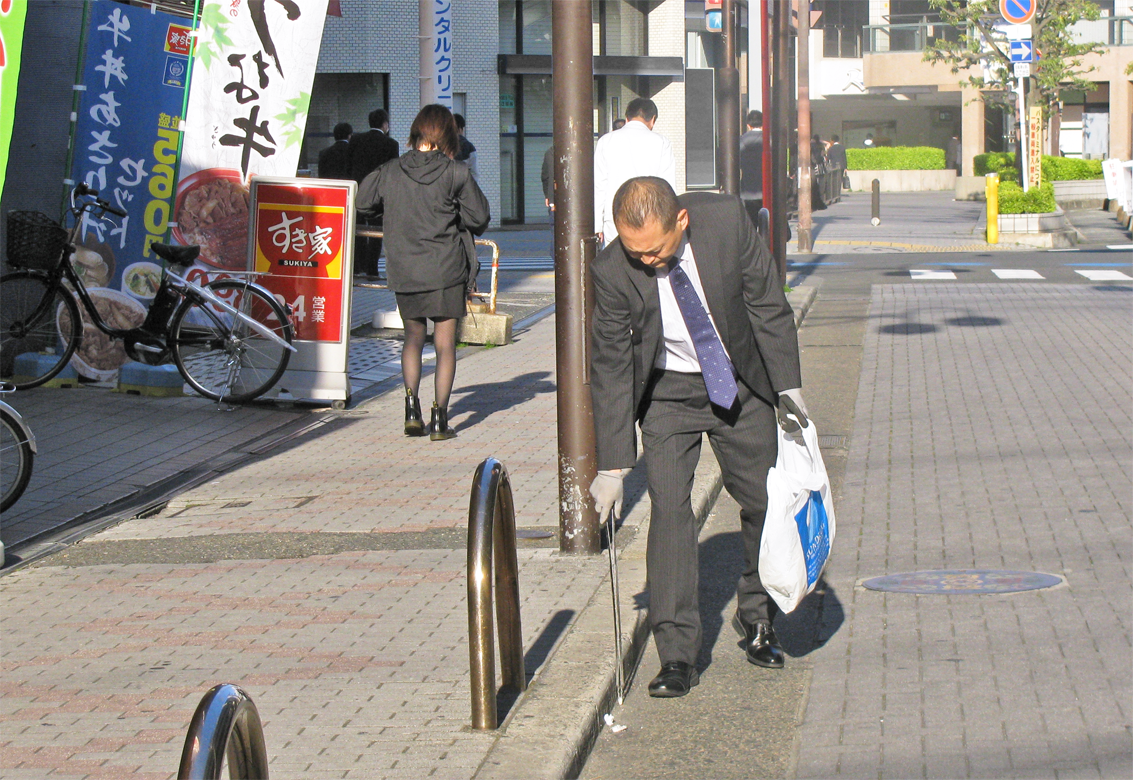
903,181
1051,230
1084,194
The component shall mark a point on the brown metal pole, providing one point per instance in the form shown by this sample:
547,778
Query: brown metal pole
781,132
765,104
728,105
806,244
572,69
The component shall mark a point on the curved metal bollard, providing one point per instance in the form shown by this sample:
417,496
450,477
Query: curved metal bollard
226,722
491,551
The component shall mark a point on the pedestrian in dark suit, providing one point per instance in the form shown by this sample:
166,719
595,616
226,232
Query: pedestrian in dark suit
751,165
692,334
368,152
334,161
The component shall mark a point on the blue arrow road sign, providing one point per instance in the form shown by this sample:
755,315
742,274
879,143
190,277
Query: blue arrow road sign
1017,11
1022,51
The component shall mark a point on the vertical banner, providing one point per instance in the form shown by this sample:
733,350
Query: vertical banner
302,242
254,62
435,33
1035,145
12,15
132,91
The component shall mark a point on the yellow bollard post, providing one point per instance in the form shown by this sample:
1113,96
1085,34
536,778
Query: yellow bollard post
991,189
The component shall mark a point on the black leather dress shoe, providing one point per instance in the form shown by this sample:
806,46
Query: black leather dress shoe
676,679
760,643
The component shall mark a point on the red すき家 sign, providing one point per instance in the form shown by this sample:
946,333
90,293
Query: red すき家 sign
300,234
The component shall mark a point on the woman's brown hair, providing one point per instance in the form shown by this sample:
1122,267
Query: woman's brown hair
434,125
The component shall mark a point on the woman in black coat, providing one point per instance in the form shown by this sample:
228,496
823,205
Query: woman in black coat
432,208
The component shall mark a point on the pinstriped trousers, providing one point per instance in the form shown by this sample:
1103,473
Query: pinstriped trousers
744,442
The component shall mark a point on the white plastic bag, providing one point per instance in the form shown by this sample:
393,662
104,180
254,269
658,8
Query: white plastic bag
798,533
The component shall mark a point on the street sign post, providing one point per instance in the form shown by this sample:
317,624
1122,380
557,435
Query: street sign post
1017,11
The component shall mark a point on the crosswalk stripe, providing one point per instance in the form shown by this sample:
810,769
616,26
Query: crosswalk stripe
1105,276
921,273
1016,273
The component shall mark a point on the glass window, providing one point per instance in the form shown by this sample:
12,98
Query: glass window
624,22
507,26
536,26
841,24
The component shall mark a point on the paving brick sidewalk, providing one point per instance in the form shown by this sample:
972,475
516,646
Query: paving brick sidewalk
357,658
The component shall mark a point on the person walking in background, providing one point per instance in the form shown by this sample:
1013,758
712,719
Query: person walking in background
432,208
836,154
619,123
751,165
467,154
635,150
334,161
953,155
691,334
368,151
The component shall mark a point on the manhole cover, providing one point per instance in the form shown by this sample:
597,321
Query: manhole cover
962,581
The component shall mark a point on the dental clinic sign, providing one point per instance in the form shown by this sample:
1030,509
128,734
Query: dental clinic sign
435,33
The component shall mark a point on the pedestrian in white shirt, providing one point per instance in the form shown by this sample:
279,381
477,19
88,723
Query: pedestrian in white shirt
634,150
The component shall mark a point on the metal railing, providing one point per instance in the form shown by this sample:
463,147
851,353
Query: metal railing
492,561
882,38
364,232
226,723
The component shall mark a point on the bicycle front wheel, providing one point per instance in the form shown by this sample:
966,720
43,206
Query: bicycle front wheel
15,460
220,355
38,321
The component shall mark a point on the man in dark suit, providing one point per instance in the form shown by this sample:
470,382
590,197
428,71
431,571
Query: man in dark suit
692,334
334,161
751,165
368,151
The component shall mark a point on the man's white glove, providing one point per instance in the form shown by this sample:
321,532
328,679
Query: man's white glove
606,489
791,402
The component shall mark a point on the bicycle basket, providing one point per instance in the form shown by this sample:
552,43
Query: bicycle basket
34,240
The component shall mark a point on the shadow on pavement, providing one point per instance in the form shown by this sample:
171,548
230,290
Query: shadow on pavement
486,399
534,658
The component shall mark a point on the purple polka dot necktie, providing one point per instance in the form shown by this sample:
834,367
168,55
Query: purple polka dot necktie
719,376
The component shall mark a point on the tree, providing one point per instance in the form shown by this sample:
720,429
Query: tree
981,44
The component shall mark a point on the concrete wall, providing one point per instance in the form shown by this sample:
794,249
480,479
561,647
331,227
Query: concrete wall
903,181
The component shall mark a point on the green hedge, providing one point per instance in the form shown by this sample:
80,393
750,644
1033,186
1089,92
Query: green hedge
1054,168
896,158
1039,200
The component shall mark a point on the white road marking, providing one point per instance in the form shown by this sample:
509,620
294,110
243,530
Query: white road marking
1013,273
920,273
1125,247
1105,276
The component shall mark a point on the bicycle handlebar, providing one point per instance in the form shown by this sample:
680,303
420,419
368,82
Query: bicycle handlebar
82,188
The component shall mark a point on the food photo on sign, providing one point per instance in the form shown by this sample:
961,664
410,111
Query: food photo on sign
253,66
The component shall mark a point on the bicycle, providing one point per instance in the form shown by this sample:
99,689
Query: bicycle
17,453
230,339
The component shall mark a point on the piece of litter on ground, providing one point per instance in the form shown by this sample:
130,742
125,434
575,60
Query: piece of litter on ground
609,719
618,729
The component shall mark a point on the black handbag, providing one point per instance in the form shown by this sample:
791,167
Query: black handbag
845,180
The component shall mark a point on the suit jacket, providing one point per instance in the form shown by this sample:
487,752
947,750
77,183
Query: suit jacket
369,151
751,165
334,161
746,299
635,150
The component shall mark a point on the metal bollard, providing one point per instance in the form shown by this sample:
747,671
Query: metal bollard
875,218
764,225
491,551
226,722
991,190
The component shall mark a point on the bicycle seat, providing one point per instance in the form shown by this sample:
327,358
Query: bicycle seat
178,255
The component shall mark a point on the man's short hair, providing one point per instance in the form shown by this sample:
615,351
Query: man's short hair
754,118
379,117
342,131
459,121
619,123
643,199
641,108
835,139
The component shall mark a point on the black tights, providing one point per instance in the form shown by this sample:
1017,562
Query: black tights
444,342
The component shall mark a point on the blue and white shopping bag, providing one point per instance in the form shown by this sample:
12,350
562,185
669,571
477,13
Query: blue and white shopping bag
799,530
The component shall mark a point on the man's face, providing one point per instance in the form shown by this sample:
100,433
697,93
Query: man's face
652,244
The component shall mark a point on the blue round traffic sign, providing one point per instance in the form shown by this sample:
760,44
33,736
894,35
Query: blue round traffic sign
1017,11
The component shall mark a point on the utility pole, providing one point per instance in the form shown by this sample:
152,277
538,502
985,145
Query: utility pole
765,107
728,104
780,132
572,71
802,53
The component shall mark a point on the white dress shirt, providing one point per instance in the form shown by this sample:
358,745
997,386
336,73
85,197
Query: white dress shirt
635,150
679,353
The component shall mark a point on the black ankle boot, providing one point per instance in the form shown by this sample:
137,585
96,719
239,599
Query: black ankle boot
414,425
439,429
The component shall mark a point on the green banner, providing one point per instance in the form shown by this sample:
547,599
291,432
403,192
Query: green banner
12,14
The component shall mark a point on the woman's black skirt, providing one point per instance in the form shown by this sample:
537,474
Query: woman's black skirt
432,304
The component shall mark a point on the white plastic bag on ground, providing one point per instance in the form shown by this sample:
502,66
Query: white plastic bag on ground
799,530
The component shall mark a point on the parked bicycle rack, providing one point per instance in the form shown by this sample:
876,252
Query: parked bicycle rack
226,723
491,551
369,233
